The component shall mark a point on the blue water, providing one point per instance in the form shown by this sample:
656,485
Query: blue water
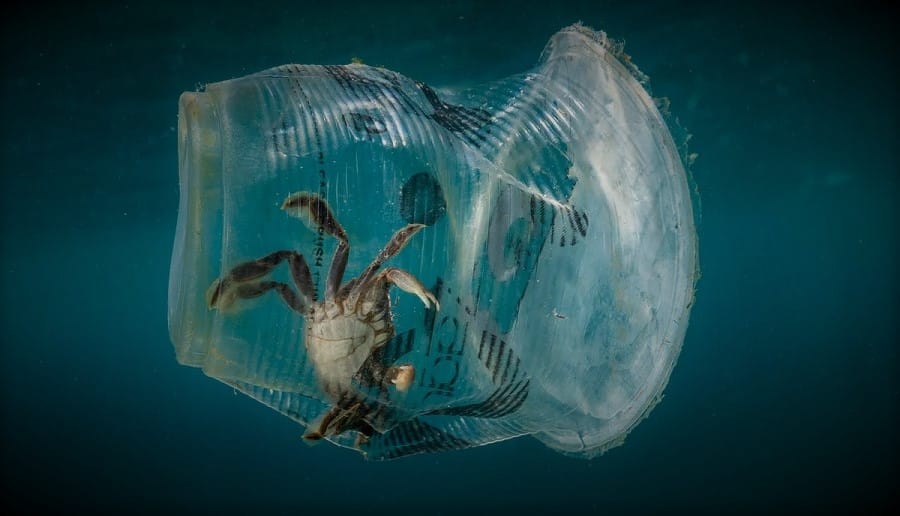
785,396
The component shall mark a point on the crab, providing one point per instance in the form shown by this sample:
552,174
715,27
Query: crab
345,332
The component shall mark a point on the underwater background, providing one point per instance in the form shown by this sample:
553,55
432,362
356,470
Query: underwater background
786,394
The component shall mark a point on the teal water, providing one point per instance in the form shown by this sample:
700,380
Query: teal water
785,397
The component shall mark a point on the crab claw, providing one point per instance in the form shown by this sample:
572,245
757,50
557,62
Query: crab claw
402,376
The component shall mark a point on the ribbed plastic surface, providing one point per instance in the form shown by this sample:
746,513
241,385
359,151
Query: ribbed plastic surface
559,240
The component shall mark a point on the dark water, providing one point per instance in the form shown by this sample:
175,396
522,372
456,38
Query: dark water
786,394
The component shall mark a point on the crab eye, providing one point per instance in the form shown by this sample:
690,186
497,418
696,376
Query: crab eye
513,259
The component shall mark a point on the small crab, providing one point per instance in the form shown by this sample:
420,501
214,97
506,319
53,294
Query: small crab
346,331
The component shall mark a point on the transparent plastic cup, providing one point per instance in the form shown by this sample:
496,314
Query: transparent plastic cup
553,224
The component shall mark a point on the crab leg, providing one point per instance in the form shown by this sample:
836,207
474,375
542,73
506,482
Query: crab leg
315,213
218,293
251,290
343,416
408,283
393,247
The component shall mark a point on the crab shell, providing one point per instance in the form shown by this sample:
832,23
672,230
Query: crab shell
338,343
